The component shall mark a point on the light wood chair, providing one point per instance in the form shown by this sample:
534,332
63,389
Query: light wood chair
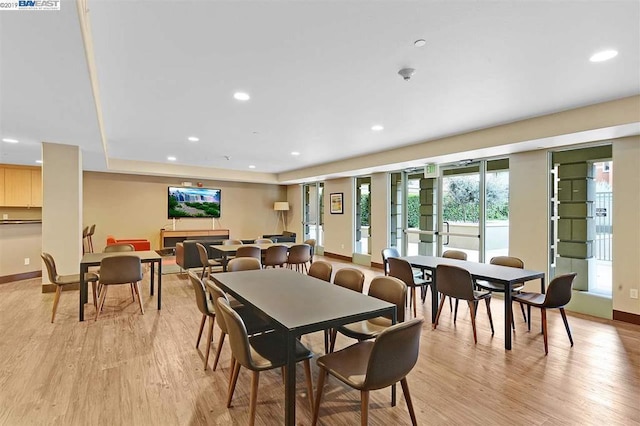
275,255
456,282
249,251
254,323
207,264
206,308
243,264
557,296
259,353
299,255
321,270
512,262
263,241
389,289
368,365
117,270
401,269
64,280
458,255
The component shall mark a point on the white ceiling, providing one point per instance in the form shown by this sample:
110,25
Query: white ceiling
320,74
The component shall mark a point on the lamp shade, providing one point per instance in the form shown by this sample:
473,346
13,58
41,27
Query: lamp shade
281,205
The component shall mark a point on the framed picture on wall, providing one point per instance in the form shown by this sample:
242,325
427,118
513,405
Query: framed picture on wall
335,199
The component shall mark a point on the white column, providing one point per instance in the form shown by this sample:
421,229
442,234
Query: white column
62,207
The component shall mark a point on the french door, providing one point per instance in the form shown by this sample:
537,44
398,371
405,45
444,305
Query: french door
313,212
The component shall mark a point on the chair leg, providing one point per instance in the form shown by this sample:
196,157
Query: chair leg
326,341
473,319
435,323
566,325
513,322
232,382
94,287
334,335
544,330
212,320
523,314
529,317
321,377
307,373
415,303
407,398
364,408
450,304
103,296
255,379
204,320
137,287
133,292
218,350
488,302
56,299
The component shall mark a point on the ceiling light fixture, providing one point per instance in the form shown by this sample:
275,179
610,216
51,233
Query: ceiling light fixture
604,55
252,166
377,128
171,158
420,42
9,140
241,96
193,139
39,161
406,73
295,153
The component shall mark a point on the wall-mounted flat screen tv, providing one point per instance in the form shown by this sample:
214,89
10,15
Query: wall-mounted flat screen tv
185,201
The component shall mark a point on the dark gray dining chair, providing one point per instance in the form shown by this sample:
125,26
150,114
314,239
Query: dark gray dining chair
117,270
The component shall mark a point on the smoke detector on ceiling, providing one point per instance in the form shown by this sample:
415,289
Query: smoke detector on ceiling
406,73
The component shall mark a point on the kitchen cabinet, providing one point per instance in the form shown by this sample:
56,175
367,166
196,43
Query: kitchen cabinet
22,186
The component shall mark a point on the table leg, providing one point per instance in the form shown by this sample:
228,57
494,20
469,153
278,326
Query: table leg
434,297
507,316
151,280
290,382
224,262
543,290
83,290
159,284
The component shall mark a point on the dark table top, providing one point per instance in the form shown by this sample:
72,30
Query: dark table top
93,259
232,248
484,271
298,302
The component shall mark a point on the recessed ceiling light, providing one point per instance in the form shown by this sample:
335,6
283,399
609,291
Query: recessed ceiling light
420,42
295,153
604,55
39,161
377,128
9,140
171,158
241,96
252,166
193,139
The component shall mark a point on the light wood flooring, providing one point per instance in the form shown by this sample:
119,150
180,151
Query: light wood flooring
133,369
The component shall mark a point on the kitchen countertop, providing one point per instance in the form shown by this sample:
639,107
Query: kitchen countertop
19,221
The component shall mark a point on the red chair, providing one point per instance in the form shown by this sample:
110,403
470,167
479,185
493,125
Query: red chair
138,244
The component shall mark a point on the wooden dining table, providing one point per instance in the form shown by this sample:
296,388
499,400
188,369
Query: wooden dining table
299,304
225,252
94,259
505,275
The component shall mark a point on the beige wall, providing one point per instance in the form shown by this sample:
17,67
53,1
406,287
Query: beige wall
528,218
21,212
626,223
338,228
18,242
379,215
131,206
294,215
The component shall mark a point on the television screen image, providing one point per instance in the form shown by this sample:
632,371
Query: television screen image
193,202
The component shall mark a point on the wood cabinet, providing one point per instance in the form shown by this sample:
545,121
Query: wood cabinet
1,186
169,238
21,186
